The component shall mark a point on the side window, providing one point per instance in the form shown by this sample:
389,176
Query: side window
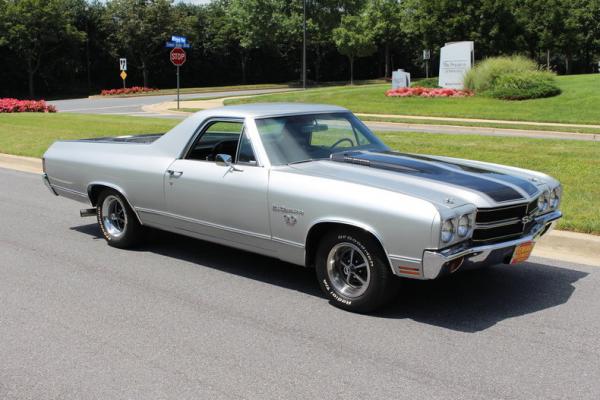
245,152
220,137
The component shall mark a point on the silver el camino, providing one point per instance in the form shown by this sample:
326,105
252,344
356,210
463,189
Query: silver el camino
311,185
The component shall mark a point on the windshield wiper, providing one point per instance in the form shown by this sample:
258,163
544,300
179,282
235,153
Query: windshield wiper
305,161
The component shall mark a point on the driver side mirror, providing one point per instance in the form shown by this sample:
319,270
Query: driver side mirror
224,160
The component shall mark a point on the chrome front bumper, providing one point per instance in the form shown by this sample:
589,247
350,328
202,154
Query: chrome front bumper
437,262
48,185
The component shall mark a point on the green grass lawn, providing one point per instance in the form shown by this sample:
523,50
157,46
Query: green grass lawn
515,125
579,103
30,134
574,163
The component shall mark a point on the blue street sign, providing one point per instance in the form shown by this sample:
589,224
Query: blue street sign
179,39
171,45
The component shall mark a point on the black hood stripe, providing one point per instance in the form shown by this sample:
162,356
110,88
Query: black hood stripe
427,168
521,183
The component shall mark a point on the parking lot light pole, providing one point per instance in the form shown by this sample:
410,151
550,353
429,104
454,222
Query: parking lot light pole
304,46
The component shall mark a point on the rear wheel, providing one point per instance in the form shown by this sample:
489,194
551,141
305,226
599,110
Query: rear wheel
118,223
353,271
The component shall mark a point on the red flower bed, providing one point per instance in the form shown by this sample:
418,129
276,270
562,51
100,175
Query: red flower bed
129,90
15,106
427,92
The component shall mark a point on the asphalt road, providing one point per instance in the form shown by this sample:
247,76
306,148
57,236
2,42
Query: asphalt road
185,319
133,105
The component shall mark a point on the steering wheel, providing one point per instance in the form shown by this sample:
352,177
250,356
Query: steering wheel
342,140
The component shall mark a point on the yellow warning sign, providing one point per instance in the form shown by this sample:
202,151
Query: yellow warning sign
123,75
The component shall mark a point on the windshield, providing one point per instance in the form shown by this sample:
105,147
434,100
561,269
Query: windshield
298,138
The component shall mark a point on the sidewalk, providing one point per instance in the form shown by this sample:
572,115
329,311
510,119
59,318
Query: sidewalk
560,245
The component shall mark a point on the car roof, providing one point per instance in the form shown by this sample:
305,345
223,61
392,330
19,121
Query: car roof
262,110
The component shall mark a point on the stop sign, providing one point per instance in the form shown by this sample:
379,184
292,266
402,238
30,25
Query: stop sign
177,56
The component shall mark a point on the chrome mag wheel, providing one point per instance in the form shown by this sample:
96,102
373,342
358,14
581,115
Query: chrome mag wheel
348,270
114,217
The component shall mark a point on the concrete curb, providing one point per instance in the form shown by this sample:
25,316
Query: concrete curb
560,245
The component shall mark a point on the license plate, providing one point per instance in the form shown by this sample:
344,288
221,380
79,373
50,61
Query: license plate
522,252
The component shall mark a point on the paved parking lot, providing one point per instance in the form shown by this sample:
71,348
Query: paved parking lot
185,319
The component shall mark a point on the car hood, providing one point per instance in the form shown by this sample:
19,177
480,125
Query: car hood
446,182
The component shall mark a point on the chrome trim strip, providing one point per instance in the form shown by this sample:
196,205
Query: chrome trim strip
75,192
498,224
288,242
203,223
395,257
47,183
433,261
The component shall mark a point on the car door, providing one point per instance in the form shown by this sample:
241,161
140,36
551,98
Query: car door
223,203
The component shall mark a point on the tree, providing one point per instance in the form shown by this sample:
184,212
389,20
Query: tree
354,39
385,19
35,29
138,30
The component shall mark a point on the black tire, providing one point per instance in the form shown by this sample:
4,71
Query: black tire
382,285
131,231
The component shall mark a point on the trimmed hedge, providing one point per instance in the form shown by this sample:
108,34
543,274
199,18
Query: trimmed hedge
511,78
525,85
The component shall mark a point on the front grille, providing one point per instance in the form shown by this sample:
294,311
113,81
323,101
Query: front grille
503,223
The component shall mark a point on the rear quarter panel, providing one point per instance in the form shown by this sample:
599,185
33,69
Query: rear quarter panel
135,169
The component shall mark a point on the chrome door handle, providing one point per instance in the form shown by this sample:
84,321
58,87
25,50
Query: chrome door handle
174,174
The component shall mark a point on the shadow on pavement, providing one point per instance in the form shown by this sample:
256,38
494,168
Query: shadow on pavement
471,301
223,258
476,300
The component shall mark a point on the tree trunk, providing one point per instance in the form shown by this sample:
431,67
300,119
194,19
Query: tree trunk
351,59
145,73
317,64
243,65
30,76
568,63
387,60
548,59
31,87
88,63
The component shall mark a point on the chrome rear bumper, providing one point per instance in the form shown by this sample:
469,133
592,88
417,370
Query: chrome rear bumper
437,262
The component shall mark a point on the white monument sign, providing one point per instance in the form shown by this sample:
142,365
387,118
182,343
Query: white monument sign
400,79
456,59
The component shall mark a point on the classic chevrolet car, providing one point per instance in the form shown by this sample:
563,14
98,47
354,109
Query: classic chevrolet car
311,185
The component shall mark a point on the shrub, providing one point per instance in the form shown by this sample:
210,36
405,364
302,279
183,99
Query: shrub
426,82
427,92
129,90
14,106
524,85
511,78
483,76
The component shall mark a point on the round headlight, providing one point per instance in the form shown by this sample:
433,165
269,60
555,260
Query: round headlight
447,231
543,202
554,198
464,225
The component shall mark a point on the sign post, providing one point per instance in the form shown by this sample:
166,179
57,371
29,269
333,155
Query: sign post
426,57
123,68
178,58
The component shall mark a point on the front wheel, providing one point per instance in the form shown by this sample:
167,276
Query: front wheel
118,223
353,271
